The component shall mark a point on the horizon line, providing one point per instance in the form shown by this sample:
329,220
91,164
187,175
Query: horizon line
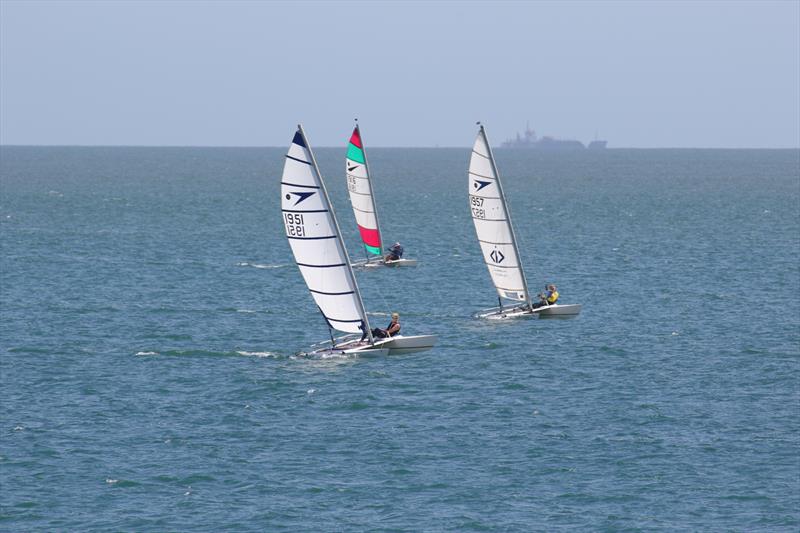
399,147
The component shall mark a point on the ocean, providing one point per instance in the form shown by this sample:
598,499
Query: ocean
151,313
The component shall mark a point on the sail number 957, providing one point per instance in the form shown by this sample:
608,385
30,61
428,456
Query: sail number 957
294,225
477,206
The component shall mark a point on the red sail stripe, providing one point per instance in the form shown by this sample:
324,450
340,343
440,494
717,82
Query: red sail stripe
356,138
370,236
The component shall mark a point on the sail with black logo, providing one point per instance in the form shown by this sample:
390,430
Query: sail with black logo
362,199
496,237
320,254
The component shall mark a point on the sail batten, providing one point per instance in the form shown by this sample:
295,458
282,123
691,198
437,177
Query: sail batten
315,240
362,198
493,225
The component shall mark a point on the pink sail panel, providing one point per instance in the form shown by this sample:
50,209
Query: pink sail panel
372,241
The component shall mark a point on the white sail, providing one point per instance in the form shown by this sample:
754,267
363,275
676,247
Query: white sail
316,241
493,225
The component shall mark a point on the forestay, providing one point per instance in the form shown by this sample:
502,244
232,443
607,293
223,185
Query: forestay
492,223
316,242
361,196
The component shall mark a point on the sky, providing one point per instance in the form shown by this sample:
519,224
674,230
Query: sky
187,73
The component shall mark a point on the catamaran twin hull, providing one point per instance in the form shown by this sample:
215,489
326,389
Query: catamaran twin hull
548,311
396,345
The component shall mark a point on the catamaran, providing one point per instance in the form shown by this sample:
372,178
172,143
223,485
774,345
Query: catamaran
362,198
321,256
497,240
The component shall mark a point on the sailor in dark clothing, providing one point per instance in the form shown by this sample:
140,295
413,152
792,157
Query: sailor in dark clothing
391,330
395,252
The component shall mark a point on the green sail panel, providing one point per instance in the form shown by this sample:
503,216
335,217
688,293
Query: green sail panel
355,153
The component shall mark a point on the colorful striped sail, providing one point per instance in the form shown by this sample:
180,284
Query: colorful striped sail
493,223
361,195
316,241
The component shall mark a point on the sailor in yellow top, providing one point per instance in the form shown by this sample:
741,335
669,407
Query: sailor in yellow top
552,295
549,297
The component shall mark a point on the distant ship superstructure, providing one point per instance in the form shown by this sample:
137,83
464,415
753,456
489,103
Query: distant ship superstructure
530,140
597,145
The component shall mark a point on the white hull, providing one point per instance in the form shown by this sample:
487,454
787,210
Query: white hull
399,344
496,313
559,310
381,263
351,345
401,263
340,351
347,345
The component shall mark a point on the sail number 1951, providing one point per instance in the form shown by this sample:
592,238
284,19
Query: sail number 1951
294,224
477,206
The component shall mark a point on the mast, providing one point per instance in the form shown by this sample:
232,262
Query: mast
338,236
508,214
371,191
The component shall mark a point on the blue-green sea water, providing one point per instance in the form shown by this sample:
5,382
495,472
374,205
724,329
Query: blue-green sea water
151,310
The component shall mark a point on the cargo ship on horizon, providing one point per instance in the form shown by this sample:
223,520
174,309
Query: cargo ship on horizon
529,140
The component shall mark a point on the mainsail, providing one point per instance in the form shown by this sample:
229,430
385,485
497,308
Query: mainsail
361,196
316,241
493,225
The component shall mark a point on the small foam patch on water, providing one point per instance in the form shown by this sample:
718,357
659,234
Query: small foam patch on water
257,354
121,482
327,358
338,356
204,353
258,265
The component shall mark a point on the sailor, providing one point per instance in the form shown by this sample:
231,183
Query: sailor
395,252
391,330
549,297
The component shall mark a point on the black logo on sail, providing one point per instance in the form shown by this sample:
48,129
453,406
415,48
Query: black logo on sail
301,196
497,256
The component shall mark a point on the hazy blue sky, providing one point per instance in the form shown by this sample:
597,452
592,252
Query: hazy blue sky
641,74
